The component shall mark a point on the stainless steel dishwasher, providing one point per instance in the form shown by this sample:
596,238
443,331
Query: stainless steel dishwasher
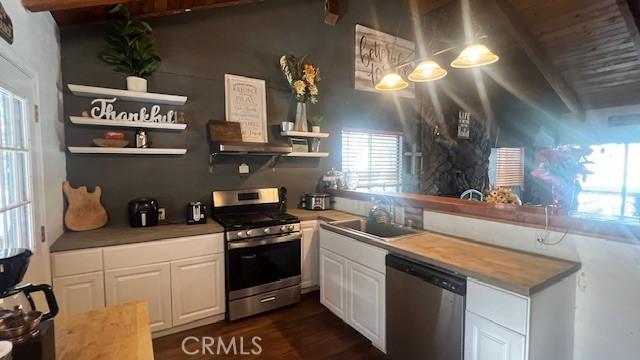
425,311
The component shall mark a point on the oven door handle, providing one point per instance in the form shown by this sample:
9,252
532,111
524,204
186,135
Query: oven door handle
265,241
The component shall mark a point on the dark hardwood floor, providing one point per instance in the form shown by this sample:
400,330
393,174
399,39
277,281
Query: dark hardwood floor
303,331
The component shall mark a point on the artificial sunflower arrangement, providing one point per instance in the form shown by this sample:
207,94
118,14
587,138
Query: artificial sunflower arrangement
502,196
302,76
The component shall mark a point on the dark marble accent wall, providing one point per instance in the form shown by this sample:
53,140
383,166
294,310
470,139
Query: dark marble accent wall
198,48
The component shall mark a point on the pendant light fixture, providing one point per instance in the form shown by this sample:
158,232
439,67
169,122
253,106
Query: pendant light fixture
427,70
474,55
391,82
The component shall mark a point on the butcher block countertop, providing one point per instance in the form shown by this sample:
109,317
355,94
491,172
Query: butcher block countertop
517,271
124,234
117,332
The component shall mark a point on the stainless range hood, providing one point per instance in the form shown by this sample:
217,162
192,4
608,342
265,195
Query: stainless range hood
250,148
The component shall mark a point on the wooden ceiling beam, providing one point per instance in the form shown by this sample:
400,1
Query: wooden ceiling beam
533,50
54,5
630,22
194,8
426,6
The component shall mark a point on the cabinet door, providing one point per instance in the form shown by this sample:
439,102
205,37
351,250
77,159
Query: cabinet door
333,286
310,258
486,340
151,283
197,288
366,302
79,293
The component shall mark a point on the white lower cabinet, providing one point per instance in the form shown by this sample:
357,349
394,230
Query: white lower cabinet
333,282
197,288
182,280
310,255
486,340
366,302
151,283
352,284
79,293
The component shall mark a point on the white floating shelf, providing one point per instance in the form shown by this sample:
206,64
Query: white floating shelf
304,134
136,124
308,154
125,151
100,92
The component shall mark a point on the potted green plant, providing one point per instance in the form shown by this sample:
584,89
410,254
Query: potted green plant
315,123
131,49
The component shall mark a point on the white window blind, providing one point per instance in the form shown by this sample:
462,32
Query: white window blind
16,216
375,156
509,167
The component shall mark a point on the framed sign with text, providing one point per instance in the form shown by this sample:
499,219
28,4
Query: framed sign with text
376,54
6,26
246,103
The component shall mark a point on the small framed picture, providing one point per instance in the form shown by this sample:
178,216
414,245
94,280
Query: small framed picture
299,145
246,103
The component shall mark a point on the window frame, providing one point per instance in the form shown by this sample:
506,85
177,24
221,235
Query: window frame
623,189
397,186
22,83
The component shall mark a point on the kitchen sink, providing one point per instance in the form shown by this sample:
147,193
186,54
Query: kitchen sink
386,232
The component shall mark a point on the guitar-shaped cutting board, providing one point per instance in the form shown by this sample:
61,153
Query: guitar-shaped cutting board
85,212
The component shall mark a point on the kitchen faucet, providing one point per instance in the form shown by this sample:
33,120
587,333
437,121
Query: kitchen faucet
383,211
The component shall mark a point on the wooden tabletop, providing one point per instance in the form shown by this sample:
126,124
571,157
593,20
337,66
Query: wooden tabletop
513,270
117,332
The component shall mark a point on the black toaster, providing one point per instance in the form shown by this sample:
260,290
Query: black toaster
143,212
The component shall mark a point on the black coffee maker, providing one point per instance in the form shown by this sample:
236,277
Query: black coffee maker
30,331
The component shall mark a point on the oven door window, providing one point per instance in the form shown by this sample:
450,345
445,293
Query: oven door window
253,266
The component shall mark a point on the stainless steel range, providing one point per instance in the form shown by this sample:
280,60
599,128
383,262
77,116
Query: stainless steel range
262,250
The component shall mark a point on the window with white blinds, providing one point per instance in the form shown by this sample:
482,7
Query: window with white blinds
376,158
509,167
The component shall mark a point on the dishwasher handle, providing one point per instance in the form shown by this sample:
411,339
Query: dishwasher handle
432,275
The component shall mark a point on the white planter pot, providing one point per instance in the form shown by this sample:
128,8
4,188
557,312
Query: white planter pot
315,129
135,83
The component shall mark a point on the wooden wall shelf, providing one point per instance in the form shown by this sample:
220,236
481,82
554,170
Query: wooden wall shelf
126,95
306,134
125,151
308,154
79,120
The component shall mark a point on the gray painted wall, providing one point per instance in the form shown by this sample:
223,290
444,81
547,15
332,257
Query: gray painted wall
198,49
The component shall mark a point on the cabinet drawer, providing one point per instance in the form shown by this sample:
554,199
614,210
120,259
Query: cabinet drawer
500,306
76,262
162,251
365,254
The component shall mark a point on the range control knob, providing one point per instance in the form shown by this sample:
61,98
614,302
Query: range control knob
283,228
250,232
291,227
241,234
267,230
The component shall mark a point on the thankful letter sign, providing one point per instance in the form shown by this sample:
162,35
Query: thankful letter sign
376,54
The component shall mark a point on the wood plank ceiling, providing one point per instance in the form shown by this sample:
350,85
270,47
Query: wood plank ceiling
592,43
139,8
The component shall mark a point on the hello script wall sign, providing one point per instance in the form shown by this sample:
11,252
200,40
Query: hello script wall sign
104,110
6,26
376,54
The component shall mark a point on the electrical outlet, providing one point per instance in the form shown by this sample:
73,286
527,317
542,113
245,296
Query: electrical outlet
162,214
542,239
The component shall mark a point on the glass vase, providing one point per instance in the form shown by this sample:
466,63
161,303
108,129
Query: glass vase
301,118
